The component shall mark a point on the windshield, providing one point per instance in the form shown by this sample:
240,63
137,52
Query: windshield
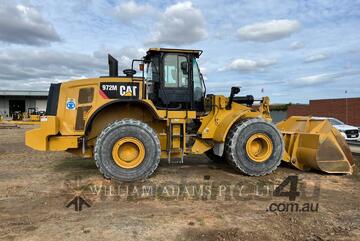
149,71
336,122
198,83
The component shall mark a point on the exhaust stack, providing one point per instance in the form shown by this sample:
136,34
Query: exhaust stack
113,66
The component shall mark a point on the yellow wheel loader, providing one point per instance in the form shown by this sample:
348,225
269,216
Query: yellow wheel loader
128,123
34,115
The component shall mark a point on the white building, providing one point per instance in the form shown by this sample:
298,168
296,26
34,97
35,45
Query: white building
21,100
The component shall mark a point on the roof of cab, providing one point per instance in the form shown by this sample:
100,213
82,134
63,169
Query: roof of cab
196,52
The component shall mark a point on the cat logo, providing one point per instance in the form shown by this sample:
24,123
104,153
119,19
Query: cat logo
128,91
119,90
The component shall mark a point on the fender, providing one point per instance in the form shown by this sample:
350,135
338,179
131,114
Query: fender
99,109
225,125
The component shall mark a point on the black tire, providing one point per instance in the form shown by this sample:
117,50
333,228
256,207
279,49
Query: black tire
235,147
215,158
127,128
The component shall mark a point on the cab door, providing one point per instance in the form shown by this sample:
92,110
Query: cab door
176,88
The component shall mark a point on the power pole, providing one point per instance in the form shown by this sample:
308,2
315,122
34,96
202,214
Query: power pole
346,107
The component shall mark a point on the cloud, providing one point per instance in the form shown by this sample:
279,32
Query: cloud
314,79
322,78
316,57
268,31
22,65
22,68
129,11
249,65
180,24
296,45
124,55
243,83
20,24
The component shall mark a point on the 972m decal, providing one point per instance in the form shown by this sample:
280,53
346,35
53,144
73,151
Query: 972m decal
111,90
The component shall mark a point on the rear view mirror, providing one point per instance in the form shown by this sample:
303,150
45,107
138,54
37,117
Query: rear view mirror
184,67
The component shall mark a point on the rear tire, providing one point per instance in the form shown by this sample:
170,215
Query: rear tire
254,147
137,136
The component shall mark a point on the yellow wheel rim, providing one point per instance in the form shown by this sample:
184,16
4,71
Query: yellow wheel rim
259,147
128,152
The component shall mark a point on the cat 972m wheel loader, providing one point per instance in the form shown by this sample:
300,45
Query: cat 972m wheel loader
127,123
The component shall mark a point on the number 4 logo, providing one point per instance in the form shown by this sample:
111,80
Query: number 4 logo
292,193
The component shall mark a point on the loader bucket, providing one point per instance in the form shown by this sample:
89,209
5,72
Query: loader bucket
315,144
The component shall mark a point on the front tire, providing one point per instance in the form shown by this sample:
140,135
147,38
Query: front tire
254,147
127,150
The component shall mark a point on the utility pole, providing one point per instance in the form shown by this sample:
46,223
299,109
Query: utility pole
346,108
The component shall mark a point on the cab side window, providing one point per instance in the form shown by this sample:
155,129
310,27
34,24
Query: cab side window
174,76
183,77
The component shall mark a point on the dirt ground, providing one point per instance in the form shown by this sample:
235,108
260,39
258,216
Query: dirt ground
35,188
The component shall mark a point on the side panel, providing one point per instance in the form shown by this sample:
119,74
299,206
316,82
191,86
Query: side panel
80,99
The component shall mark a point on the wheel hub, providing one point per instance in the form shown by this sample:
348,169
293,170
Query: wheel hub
259,147
128,152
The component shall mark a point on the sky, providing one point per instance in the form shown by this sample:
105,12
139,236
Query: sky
291,51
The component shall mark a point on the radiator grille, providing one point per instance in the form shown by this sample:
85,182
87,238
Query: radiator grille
352,132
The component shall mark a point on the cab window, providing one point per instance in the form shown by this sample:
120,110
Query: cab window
198,86
174,76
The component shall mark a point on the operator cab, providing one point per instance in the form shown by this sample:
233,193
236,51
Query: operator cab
173,79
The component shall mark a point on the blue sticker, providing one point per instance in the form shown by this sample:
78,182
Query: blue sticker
70,104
